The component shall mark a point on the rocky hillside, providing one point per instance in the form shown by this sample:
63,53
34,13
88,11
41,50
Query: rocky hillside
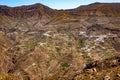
97,9
39,43
27,11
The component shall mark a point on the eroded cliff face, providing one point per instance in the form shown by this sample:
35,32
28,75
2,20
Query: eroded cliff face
39,43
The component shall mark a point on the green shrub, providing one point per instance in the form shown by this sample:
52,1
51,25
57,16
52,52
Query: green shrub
58,49
30,44
107,54
65,64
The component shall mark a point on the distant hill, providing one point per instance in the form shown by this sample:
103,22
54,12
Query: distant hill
95,9
27,11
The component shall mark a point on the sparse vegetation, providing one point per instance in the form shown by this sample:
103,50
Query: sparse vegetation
107,54
30,44
58,49
39,43
65,64
8,77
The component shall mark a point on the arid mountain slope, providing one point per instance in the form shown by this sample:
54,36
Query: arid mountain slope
27,11
97,9
39,43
